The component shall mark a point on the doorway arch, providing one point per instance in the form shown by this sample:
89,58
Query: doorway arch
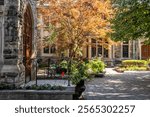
27,42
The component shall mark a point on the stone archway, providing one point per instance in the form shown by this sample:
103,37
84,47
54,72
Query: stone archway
27,42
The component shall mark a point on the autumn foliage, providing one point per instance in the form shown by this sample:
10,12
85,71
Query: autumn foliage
77,21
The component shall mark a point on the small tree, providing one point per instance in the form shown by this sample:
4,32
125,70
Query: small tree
77,21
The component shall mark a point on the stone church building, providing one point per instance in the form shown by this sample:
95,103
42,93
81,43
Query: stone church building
17,40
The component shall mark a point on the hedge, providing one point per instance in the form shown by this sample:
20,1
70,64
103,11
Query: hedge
138,63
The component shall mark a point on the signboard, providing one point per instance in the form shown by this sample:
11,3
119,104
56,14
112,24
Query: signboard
1,2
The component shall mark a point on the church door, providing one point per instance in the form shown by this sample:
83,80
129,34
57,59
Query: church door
27,43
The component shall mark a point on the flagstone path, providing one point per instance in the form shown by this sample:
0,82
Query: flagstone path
119,86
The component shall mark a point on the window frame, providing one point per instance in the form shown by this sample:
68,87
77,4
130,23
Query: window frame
96,49
50,50
122,48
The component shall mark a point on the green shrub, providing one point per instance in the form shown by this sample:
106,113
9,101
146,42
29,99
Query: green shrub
96,66
32,87
44,87
134,65
130,63
78,72
81,70
148,61
135,68
4,86
63,64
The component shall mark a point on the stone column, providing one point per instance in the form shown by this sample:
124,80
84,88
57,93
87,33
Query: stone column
1,35
140,49
1,42
13,69
118,51
89,49
10,69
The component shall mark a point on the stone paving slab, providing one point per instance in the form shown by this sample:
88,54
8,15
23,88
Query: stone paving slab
119,86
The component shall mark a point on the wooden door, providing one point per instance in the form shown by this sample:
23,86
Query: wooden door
145,51
27,43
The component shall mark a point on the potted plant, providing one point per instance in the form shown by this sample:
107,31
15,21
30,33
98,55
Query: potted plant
78,75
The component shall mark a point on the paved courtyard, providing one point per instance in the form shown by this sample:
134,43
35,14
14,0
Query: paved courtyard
119,86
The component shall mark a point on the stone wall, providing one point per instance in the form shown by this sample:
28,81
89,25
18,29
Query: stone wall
37,94
117,51
9,70
12,70
134,49
1,37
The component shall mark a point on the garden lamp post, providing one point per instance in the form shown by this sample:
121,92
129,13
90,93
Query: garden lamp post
37,61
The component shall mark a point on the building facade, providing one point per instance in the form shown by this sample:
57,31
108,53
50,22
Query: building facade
115,51
17,41
134,49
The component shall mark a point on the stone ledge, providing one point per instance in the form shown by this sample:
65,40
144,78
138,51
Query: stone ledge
9,68
68,90
66,94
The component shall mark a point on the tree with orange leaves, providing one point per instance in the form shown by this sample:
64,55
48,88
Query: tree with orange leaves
75,22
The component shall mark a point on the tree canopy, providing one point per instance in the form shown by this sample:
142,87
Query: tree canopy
76,21
132,20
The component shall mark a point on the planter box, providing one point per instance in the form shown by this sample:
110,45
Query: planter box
79,89
66,94
100,75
